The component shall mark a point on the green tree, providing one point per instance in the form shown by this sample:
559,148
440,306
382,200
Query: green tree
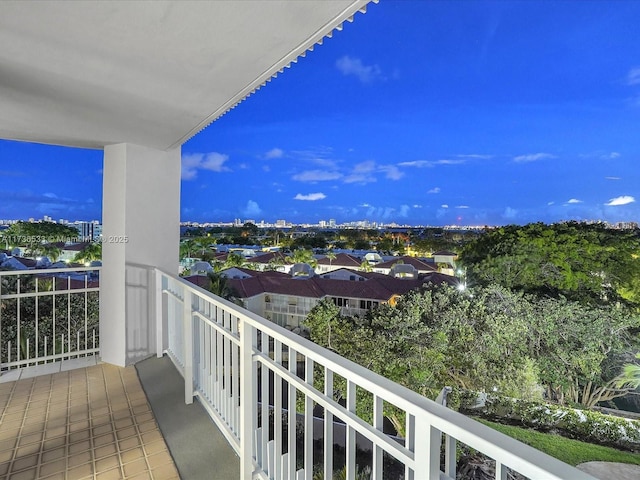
234,260
219,285
588,263
365,266
27,233
49,250
92,252
187,248
630,375
487,339
331,256
302,255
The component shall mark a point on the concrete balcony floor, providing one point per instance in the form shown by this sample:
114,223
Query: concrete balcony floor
97,423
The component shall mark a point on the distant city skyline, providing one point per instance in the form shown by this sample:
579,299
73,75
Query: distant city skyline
419,113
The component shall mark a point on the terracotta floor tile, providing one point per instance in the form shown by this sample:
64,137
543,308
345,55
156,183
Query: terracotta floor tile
132,454
159,459
6,456
136,467
56,466
167,472
105,451
81,424
22,463
30,474
28,450
55,476
107,463
113,474
54,454
79,458
80,471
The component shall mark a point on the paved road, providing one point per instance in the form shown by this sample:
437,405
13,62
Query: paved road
610,471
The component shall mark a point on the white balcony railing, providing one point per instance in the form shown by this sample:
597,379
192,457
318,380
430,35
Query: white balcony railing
48,315
241,368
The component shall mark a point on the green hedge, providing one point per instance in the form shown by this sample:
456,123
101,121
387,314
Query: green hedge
586,425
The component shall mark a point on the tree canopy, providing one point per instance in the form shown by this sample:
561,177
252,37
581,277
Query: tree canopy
488,339
29,234
585,262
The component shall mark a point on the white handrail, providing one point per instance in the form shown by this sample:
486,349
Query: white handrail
236,351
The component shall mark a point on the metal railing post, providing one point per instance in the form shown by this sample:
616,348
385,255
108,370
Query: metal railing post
159,316
187,322
248,402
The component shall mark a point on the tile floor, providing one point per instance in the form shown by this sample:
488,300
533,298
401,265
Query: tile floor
88,423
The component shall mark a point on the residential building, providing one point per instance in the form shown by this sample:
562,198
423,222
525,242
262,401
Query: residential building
286,299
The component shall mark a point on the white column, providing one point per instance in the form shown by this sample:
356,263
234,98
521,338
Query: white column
141,224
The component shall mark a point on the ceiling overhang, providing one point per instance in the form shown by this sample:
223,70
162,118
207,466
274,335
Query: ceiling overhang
153,73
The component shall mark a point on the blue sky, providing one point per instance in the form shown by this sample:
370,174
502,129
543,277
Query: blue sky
437,113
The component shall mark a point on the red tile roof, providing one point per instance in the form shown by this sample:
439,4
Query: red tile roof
377,286
419,264
342,260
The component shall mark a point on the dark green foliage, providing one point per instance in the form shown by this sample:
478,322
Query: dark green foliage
589,263
485,339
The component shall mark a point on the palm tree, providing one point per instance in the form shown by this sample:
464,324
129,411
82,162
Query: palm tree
234,260
365,266
219,285
90,253
331,256
186,247
630,376
48,250
302,255
203,244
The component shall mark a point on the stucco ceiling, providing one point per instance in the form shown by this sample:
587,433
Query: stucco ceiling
152,73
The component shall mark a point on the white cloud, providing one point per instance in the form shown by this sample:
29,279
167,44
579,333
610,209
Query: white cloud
311,197
612,178
417,206
212,161
274,153
316,176
354,66
574,200
622,200
392,172
532,157
444,205
612,156
434,190
362,173
462,206
431,163
252,209
404,210
633,77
